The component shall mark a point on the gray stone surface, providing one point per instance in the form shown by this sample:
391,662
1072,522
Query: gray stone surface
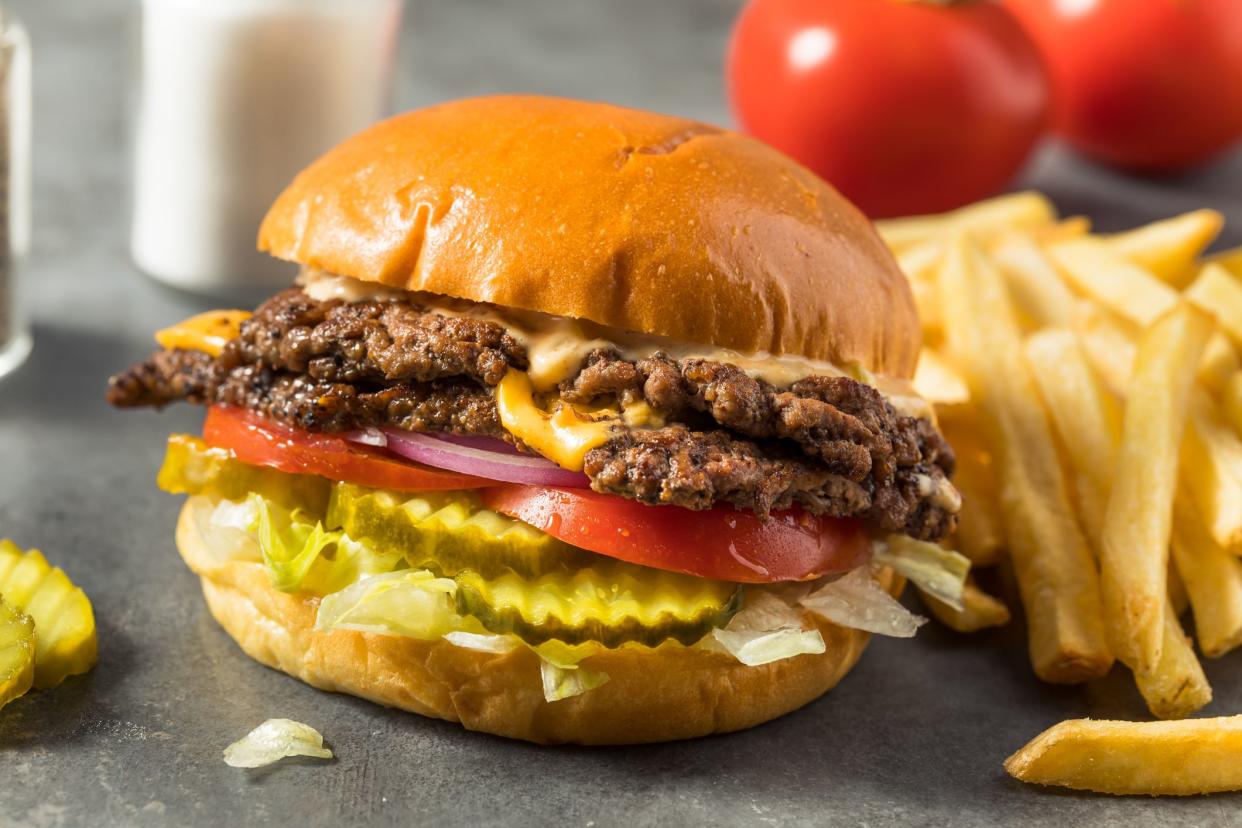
915,736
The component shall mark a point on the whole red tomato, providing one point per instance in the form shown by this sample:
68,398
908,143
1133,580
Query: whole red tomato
1150,85
906,107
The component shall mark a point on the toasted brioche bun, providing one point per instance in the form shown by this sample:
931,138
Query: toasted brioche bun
652,695
639,221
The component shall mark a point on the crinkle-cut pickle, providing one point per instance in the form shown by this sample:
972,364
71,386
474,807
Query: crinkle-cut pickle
599,604
192,467
65,643
16,653
449,532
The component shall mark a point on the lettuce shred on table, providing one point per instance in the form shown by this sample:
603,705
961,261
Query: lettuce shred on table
274,740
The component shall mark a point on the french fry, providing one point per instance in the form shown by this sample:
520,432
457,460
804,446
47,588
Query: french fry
1230,260
1231,401
1093,268
1220,364
1213,580
980,532
1017,211
1212,471
1086,417
1176,686
1108,342
1138,520
1177,588
937,382
1195,756
1055,568
1067,228
922,260
1038,290
1168,248
920,263
1219,293
979,610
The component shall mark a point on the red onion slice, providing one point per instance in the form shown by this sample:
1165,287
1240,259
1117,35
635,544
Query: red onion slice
482,444
480,457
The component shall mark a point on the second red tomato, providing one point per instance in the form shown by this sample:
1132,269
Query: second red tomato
906,107
1148,85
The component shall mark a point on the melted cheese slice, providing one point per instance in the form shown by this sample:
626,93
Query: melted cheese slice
563,435
208,332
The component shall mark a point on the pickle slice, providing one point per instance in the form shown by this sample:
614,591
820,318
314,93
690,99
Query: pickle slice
605,603
193,467
16,653
449,533
65,644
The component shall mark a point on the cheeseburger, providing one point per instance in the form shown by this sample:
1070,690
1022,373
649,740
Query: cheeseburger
580,424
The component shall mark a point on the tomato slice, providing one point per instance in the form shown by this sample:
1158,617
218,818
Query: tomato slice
260,442
721,543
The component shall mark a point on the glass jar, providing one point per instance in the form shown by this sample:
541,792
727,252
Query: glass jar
14,189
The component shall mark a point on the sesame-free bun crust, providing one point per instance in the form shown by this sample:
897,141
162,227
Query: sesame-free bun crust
630,219
651,696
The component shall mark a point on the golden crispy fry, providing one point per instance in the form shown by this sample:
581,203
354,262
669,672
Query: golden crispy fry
1017,211
1108,342
1038,289
1138,520
1213,580
1096,270
980,528
1111,344
1086,416
1212,470
1219,293
1230,260
1220,364
1194,756
1071,227
1176,687
1231,401
1177,588
979,610
939,383
1168,248
920,263
16,653
1055,568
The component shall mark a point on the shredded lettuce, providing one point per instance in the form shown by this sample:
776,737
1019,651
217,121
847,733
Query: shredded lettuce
274,740
412,603
937,571
299,555
767,629
223,529
857,600
563,682
484,643
290,545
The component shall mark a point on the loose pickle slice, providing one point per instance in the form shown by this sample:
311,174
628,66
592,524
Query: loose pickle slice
65,644
16,653
604,603
449,533
193,467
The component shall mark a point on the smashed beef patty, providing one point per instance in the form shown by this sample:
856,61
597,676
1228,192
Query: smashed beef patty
833,445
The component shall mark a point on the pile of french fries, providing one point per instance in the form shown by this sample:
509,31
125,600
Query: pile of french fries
1092,387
